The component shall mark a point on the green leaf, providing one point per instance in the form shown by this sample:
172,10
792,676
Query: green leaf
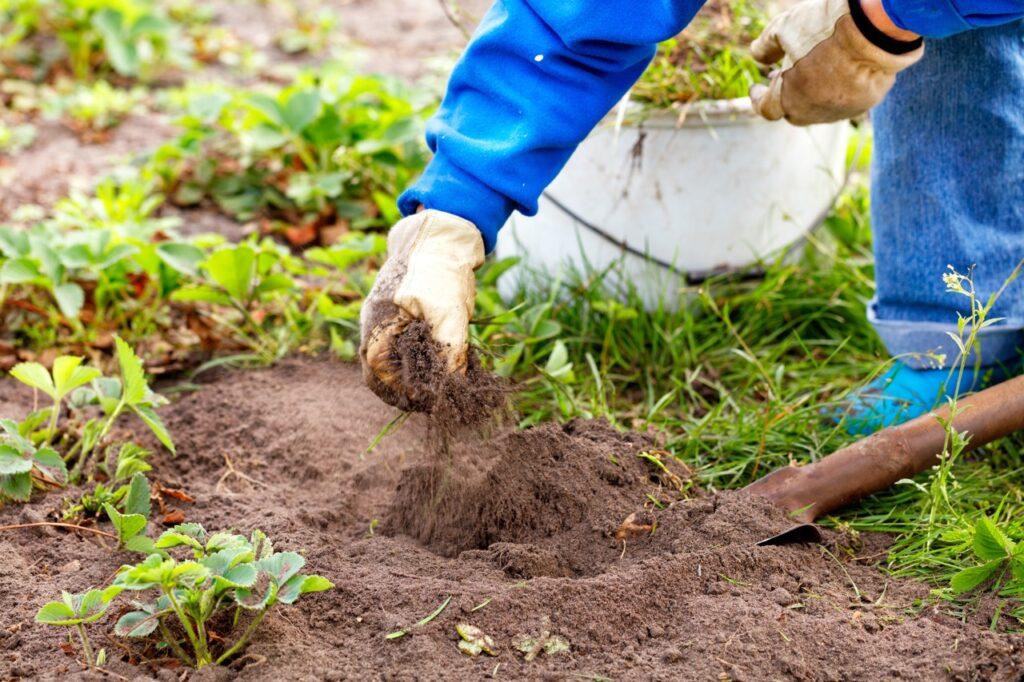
131,460
176,538
282,566
969,578
127,525
136,624
52,464
249,598
990,542
35,375
13,462
301,109
181,257
233,269
69,375
558,360
95,602
228,544
56,613
243,575
137,500
201,293
132,375
70,299
141,544
268,107
16,486
118,46
1017,569
19,271
315,583
302,584
147,574
190,573
274,283
149,416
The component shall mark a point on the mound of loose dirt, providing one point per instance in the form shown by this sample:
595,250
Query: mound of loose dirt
549,497
526,541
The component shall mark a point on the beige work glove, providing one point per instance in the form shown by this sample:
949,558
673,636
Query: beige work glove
830,70
429,275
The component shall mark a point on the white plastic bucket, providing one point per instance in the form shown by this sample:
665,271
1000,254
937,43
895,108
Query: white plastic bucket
717,192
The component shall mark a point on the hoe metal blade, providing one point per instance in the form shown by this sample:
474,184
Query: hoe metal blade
800,534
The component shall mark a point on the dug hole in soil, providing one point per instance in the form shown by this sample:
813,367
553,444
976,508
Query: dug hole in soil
524,531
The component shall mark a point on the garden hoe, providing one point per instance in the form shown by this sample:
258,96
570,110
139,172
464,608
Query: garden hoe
880,460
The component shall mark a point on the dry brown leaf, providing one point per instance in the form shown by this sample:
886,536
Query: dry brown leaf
634,526
173,517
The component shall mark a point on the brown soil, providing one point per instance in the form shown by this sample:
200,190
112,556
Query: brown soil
521,537
453,400
403,38
58,161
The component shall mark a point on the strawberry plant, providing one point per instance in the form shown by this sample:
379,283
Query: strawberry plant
118,487
91,111
75,611
131,523
246,279
329,152
84,439
130,38
67,375
219,577
25,466
99,264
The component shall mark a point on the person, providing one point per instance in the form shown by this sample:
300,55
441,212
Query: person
947,178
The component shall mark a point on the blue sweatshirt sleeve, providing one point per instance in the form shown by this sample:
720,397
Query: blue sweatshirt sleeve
536,78
941,18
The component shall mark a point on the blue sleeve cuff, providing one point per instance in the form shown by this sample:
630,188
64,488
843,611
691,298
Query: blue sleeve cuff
445,187
929,18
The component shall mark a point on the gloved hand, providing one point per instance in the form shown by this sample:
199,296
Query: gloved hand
835,63
428,276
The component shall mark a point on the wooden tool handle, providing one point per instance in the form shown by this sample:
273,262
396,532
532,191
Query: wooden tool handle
895,453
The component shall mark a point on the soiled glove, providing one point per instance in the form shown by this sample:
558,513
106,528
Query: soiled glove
835,63
428,276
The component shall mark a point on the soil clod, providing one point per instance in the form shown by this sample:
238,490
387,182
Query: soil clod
454,401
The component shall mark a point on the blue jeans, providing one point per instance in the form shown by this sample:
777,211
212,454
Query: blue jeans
948,189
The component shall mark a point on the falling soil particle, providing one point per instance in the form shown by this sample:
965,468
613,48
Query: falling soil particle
551,494
523,542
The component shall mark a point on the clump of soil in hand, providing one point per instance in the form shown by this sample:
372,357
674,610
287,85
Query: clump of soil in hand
454,400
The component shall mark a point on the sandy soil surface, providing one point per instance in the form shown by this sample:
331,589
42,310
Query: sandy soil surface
403,38
58,161
520,532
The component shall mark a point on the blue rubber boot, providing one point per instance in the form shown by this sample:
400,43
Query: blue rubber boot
903,393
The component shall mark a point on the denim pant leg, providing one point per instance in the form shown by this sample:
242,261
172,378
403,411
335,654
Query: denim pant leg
948,189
